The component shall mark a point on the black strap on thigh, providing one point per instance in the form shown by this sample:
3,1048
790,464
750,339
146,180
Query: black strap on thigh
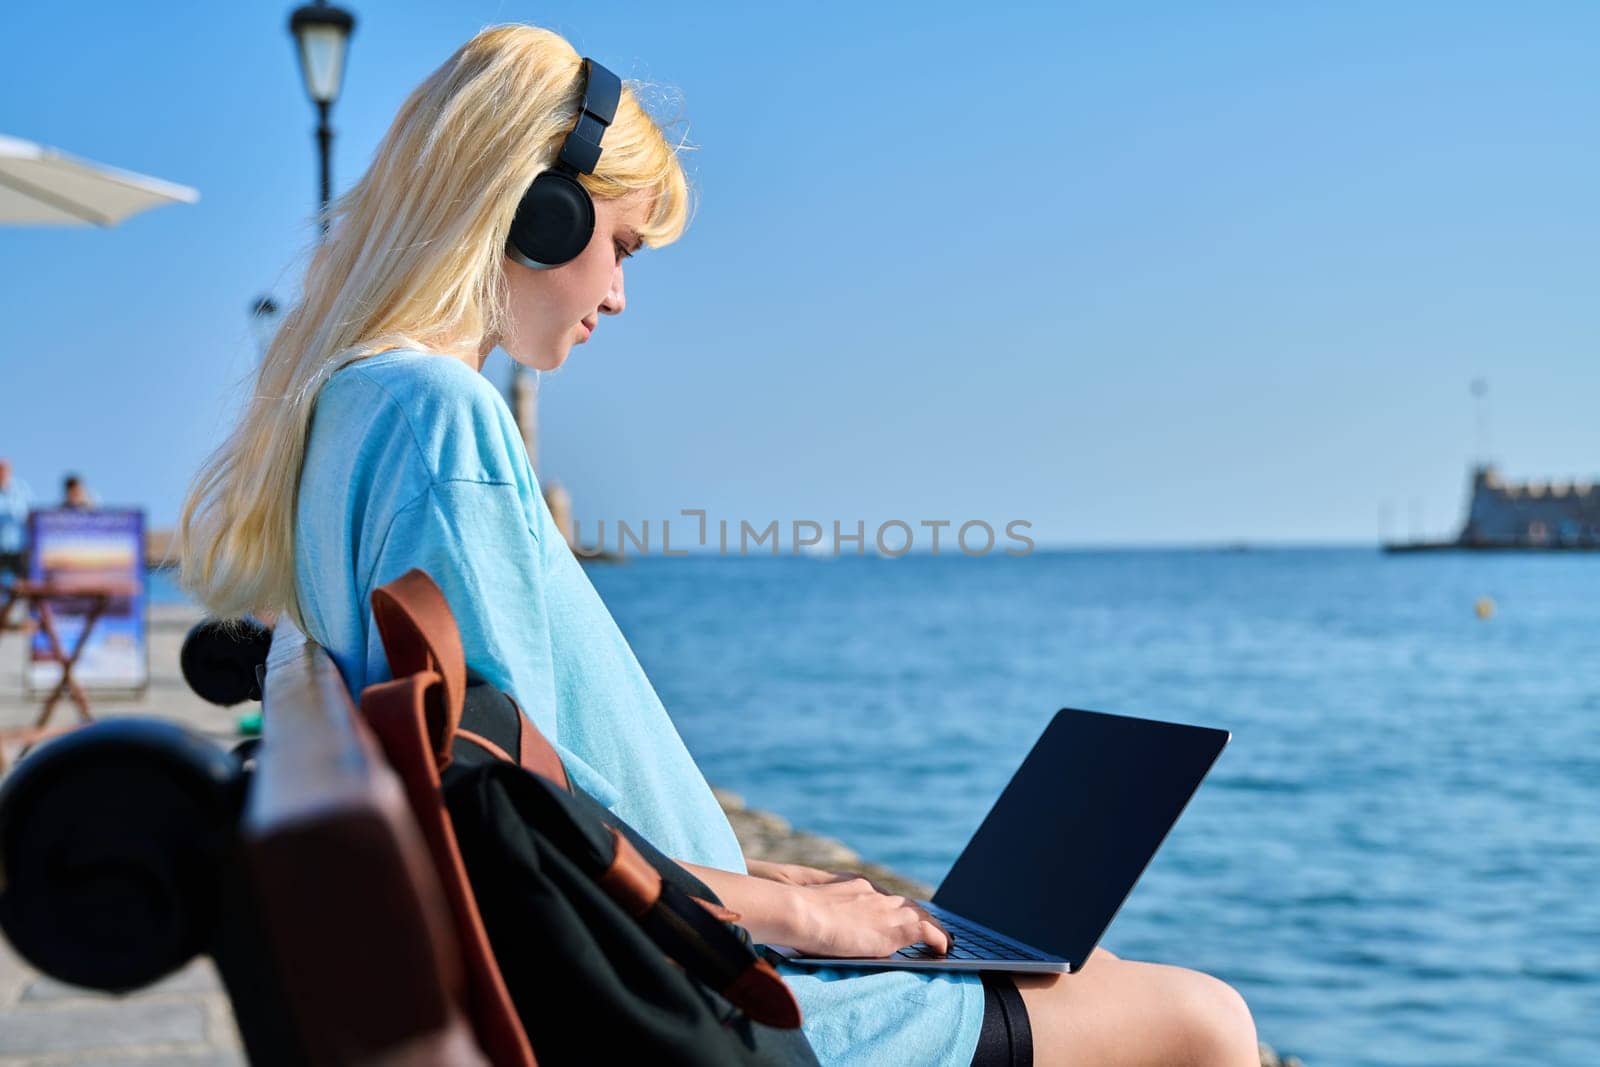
1006,1039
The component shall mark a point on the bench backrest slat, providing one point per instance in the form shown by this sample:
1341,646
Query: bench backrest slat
358,924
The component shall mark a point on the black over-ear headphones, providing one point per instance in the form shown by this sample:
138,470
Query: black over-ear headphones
556,217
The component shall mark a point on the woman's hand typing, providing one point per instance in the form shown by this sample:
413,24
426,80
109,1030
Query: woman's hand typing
822,913
852,917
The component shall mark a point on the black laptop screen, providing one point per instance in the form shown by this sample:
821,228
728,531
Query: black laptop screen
1062,847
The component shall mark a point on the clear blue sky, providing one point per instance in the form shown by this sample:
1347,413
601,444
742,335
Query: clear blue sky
1135,273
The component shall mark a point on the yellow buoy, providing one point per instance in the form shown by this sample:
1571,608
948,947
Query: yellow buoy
1484,608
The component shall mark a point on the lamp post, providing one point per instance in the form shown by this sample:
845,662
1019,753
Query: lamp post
322,32
264,315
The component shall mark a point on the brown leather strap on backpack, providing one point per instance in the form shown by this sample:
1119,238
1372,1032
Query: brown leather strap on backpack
535,752
420,634
707,949
417,717
414,717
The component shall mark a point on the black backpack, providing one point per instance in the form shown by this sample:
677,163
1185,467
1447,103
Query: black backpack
579,933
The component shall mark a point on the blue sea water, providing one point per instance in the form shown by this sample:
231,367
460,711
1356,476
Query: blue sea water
1396,860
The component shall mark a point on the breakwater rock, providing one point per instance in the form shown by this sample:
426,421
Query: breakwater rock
1269,1058
765,836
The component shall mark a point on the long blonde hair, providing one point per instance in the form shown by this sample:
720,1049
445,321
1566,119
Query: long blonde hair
413,258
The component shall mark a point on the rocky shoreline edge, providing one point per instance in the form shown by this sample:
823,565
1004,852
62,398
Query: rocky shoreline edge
766,836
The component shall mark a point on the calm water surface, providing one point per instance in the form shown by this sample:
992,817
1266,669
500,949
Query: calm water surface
1397,860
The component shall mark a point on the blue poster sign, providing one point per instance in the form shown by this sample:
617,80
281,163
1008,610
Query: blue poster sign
91,549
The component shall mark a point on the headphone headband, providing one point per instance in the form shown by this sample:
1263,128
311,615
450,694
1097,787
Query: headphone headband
555,218
602,91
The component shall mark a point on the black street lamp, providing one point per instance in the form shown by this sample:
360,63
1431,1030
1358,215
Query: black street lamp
264,315
323,32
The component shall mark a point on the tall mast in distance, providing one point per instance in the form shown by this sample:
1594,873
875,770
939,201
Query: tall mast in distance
1481,442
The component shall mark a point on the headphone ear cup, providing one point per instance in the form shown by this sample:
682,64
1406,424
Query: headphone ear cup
554,222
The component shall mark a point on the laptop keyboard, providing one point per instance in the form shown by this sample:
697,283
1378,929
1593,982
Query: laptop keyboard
970,943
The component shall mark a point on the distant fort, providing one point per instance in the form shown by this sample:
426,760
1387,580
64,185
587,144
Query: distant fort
1527,515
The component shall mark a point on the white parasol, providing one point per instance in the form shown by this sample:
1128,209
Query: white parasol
40,186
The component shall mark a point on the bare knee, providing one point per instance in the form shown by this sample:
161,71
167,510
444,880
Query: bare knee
1127,1012
1215,1023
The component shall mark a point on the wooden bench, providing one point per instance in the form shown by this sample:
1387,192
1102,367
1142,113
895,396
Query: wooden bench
130,846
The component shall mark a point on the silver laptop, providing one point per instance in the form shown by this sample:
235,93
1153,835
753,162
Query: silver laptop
1041,880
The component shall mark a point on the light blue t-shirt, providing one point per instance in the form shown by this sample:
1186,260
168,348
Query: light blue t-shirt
414,460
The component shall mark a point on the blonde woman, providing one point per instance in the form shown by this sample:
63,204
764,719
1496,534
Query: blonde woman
373,444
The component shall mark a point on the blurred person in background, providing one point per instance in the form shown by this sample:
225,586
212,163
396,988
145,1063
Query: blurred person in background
15,500
372,444
75,494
